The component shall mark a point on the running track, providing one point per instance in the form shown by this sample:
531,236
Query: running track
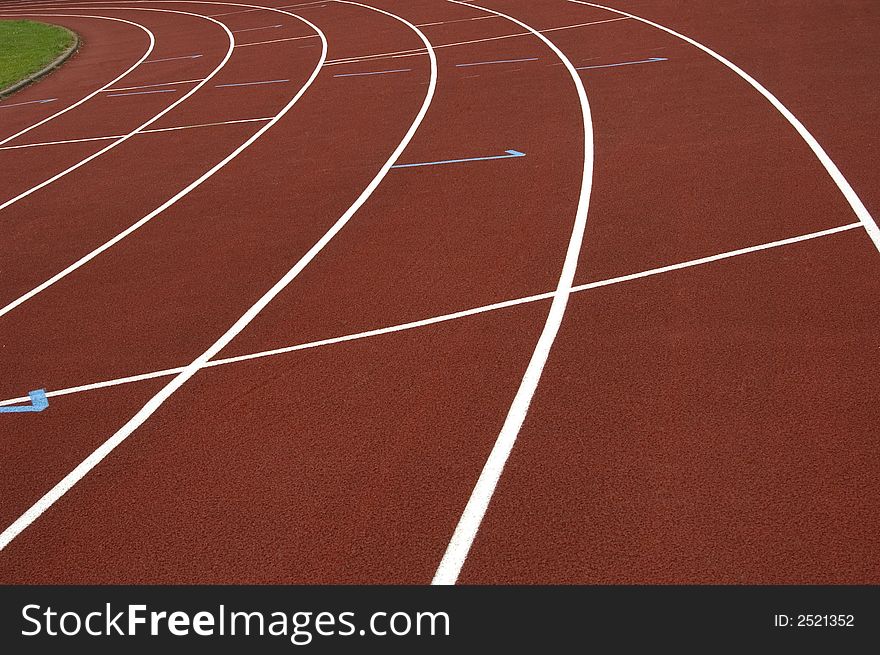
645,352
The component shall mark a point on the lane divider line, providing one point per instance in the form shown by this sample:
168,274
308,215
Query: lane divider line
624,63
402,327
472,516
511,154
142,126
842,183
116,136
85,259
151,42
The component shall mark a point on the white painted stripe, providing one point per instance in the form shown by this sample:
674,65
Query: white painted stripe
848,192
142,126
152,42
156,61
458,20
85,259
247,11
252,83
29,102
469,524
140,93
497,61
444,317
117,136
396,70
253,29
290,38
150,86
420,51
52,496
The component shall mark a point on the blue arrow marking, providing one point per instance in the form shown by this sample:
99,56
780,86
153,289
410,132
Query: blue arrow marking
39,402
510,154
625,63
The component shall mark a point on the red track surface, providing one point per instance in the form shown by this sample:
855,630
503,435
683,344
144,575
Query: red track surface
716,423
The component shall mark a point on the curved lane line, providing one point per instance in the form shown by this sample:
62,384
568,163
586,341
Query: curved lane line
848,192
62,487
469,524
149,51
83,162
85,259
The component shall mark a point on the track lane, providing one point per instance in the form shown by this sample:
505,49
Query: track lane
86,98
427,498
220,248
5,204
63,246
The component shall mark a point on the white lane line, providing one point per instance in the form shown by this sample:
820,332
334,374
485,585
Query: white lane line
252,83
29,102
140,93
247,11
848,192
142,126
458,20
412,52
290,38
396,70
469,523
180,194
181,378
156,61
254,29
496,61
151,43
445,317
117,136
150,86
650,60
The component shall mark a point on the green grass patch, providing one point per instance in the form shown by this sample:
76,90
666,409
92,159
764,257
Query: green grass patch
26,47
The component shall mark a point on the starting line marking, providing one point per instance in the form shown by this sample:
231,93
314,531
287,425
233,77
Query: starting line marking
511,154
39,402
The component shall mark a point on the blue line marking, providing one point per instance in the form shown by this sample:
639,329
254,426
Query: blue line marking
396,70
625,63
510,154
39,402
498,61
